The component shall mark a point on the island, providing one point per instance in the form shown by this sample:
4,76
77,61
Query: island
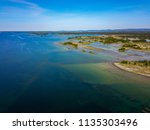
138,67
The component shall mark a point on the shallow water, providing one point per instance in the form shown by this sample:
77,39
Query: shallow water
39,75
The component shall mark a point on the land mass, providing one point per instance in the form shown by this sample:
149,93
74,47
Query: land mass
129,41
138,67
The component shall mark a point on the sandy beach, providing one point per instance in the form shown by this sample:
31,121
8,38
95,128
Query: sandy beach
133,69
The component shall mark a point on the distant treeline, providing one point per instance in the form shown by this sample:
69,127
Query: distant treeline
140,34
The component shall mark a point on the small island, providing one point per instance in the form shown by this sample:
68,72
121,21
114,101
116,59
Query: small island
138,67
82,46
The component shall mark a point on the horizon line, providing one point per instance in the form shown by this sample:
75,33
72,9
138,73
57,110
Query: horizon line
75,30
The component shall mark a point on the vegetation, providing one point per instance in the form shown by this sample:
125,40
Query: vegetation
103,39
83,50
73,44
131,45
143,63
122,49
91,52
138,67
137,45
108,40
127,41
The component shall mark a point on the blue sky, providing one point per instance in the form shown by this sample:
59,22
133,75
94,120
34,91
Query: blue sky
47,15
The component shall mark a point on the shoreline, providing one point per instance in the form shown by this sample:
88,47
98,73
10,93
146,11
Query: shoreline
131,70
78,45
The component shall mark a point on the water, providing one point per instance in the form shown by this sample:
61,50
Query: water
37,74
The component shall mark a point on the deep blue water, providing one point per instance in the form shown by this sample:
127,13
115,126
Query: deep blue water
34,78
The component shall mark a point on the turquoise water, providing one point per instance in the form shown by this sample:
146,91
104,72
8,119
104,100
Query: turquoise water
37,74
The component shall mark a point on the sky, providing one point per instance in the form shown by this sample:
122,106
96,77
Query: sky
57,15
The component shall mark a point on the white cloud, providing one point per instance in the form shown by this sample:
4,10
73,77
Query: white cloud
30,4
29,7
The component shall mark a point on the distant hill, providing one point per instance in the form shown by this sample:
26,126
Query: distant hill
119,30
109,31
145,30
